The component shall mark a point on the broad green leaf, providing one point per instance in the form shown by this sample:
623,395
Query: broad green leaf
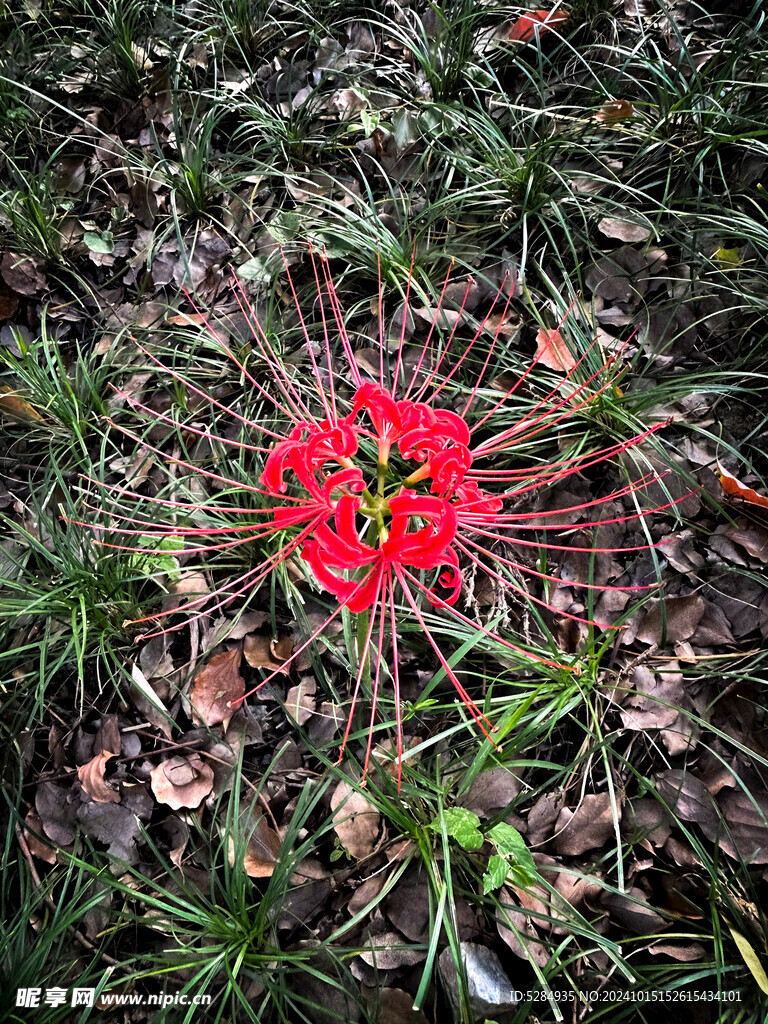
511,845
154,560
496,875
462,825
99,241
254,270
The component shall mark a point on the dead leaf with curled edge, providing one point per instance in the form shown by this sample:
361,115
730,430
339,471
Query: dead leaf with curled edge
262,652
733,488
262,849
675,619
753,537
615,110
91,776
182,781
632,910
745,815
216,685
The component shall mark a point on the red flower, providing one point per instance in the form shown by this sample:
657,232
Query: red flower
375,533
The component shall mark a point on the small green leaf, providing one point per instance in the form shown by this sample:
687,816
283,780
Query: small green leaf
370,120
496,874
284,226
727,257
508,841
404,127
462,825
511,846
99,241
155,560
254,270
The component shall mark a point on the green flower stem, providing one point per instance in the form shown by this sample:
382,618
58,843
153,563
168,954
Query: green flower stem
363,654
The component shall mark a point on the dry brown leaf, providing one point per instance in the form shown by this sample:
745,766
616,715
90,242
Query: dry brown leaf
625,230
621,277
304,902
646,822
392,1005
542,817
688,798
682,617
356,821
300,701
262,851
713,630
187,319
9,301
740,598
16,408
37,847
190,585
57,808
388,951
366,892
367,360
575,890
91,776
746,815
685,954
23,275
586,828
753,537
632,910
615,110
518,931
552,351
113,824
216,684
407,907
492,791
182,781
648,708
262,652
108,736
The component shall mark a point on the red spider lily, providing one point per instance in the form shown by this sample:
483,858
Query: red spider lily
394,531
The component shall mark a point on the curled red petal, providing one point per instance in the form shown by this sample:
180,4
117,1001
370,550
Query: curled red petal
448,468
469,498
380,406
424,547
452,426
